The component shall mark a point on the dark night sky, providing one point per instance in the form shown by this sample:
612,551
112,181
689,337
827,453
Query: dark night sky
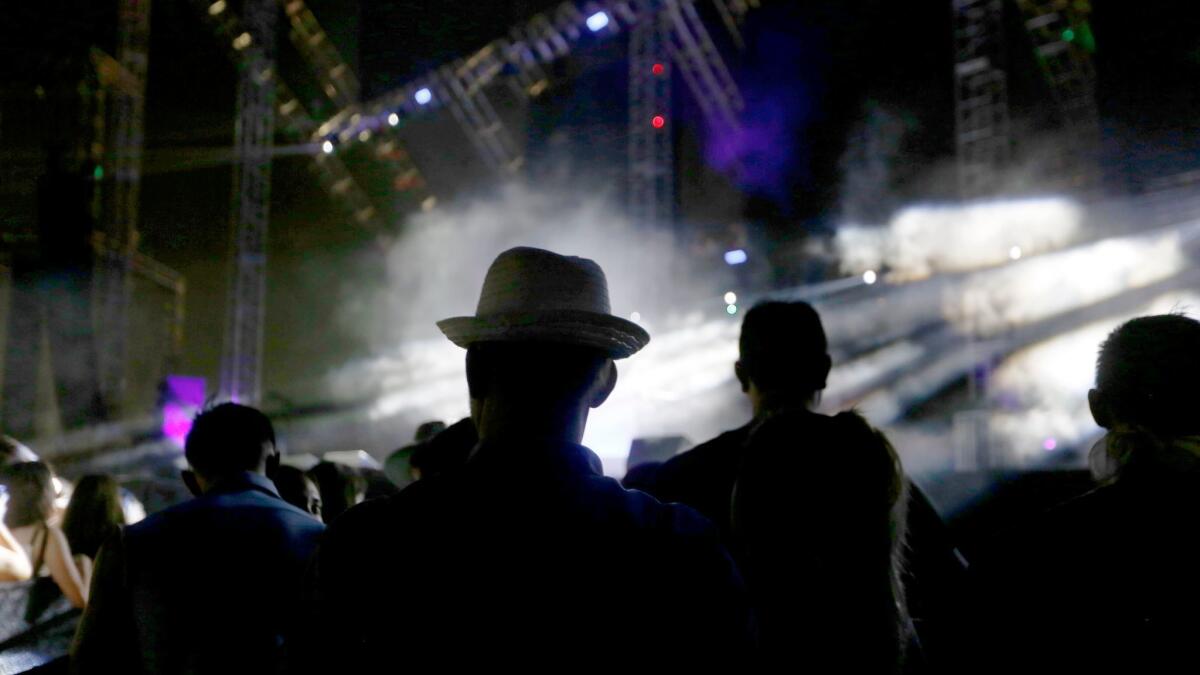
811,67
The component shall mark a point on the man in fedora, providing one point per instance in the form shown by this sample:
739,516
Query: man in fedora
526,555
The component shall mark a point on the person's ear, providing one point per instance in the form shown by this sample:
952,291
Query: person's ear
604,385
477,375
1099,406
739,372
273,463
192,482
823,368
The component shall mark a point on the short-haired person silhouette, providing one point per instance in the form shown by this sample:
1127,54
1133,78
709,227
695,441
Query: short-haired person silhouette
526,554
1108,582
782,365
209,585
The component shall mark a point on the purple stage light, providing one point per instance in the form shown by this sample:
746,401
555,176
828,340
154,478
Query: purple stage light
183,398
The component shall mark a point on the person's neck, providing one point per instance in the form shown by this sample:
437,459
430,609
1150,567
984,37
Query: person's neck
766,404
499,421
208,483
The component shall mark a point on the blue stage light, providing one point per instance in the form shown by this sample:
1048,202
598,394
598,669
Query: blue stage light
597,22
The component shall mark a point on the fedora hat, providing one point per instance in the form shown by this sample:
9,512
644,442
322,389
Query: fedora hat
534,295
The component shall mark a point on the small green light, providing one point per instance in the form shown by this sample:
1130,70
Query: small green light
98,172
1069,34
731,309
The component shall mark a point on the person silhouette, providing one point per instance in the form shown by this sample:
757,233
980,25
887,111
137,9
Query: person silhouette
1106,582
782,367
526,552
209,585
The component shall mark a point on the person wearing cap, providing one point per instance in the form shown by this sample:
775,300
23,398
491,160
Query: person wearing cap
526,555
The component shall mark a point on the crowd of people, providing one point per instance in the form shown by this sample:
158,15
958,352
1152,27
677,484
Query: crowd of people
794,542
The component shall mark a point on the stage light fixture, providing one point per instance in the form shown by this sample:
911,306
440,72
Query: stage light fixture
423,96
731,310
393,119
730,298
735,257
327,147
658,69
597,22
1015,253
870,277
658,121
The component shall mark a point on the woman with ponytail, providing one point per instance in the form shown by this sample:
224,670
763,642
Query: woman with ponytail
818,536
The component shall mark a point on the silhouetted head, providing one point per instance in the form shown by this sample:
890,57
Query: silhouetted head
297,489
1147,393
340,486
783,356
541,345
30,493
444,451
428,430
536,389
226,440
13,451
94,513
1148,376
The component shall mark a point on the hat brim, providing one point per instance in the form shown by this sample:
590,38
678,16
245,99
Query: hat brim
612,335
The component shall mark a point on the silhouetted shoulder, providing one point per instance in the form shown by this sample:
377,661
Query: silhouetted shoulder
719,455
646,511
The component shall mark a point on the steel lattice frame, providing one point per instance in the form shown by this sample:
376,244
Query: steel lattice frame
703,69
1068,69
981,96
124,164
241,363
651,154
542,40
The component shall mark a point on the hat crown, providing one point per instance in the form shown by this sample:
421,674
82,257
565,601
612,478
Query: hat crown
528,279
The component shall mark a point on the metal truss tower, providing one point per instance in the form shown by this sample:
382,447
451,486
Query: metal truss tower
651,156
701,65
241,363
120,215
1063,43
981,96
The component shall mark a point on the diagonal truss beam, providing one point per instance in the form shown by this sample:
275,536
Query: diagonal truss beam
523,53
337,79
